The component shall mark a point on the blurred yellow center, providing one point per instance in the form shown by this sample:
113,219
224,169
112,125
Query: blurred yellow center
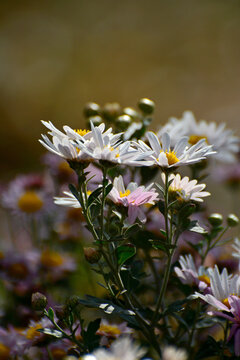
51,259
226,302
205,279
30,202
4,352
81,132
193,139
32,332
126,193
58,354
64,168
110,329
18,270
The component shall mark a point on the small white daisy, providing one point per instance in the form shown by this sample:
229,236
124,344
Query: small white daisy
123,348
182,154
172,353
190,274
185,189
109,148
223,141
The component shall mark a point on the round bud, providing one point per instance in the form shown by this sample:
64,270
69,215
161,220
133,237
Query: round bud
72,301
92,255
91,109
147,106
232,220
60,312
131,112
39,301
96,120
215,219
111,111
123,121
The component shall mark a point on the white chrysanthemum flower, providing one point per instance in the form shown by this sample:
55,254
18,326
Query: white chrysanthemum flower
167,157
224,143
190,274
236,247
132,197
64,144
68,200
109,148
123,348
172,353
221,287
185,189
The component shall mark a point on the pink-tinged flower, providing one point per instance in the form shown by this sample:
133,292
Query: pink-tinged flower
222,286
31,333
109,331
133,197
233,316
190,274
12,343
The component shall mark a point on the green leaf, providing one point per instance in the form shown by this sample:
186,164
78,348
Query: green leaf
90,338
94,195
74,191
131,230
161,206
160,188
124,253
51,314
108,189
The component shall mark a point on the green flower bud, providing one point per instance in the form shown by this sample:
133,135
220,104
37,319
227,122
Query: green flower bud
96,120
232,220
111,111
215,219
147,106
39,301
92,255
131,112
123,121
91,109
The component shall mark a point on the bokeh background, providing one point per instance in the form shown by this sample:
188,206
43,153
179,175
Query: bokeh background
56,55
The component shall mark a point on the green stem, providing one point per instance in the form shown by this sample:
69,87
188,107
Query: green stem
103,201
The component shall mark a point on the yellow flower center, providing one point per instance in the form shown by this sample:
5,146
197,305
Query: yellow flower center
126,193
32,332
81,132
193,139
111,330
205,279
226,302
171,157
30,202
18,271
4,352
51,259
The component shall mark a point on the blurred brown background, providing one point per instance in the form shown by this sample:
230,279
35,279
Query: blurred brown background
56,55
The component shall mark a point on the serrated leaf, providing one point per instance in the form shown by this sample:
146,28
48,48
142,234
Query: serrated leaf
124,253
